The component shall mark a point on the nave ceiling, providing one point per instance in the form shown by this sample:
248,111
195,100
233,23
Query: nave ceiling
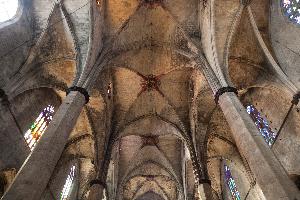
150,101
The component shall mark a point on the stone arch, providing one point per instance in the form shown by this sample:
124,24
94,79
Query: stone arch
52,60
23,110
148,155
157,158
274,103
221,146
134,172
58,179
151,185
132,127
27,105
282,34
218,30
245,60
149,196
185,137
245,188
259,13
13,33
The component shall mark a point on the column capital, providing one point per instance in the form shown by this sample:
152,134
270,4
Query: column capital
223,90
245,2
296,98
97,188
82,90
97,182
202,181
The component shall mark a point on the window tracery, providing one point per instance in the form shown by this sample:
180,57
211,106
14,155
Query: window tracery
8,9
39,126
104,194
291,9
231,183
262,124
68,184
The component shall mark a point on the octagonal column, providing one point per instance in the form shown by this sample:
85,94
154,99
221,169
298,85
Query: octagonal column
36,171
270,174
205,192
96,190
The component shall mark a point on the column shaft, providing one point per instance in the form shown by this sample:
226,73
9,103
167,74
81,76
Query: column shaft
205,192
36,171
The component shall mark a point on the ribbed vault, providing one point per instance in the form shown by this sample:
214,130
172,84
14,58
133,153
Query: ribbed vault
151,127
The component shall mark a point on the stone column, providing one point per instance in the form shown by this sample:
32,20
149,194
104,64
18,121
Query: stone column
270,174
202,182
205,191
96,191
36,171
98,185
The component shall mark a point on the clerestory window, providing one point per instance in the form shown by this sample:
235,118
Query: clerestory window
262,124
8,9
291,9
231,183
39,126
68,185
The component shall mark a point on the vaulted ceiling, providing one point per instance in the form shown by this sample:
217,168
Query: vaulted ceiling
152,93
150,99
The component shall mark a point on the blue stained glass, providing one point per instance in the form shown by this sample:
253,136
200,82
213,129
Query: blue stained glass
262,124
231,184
291,9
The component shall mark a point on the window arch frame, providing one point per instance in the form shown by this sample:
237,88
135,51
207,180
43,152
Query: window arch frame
16,17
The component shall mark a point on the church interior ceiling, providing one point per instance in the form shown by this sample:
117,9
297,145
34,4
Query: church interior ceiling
151,108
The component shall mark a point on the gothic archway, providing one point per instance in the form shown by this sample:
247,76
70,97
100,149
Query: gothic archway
149,196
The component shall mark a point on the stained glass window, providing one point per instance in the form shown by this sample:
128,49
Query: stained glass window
8,9
104,194
291,9
68,184
39,126
231,184
262,124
